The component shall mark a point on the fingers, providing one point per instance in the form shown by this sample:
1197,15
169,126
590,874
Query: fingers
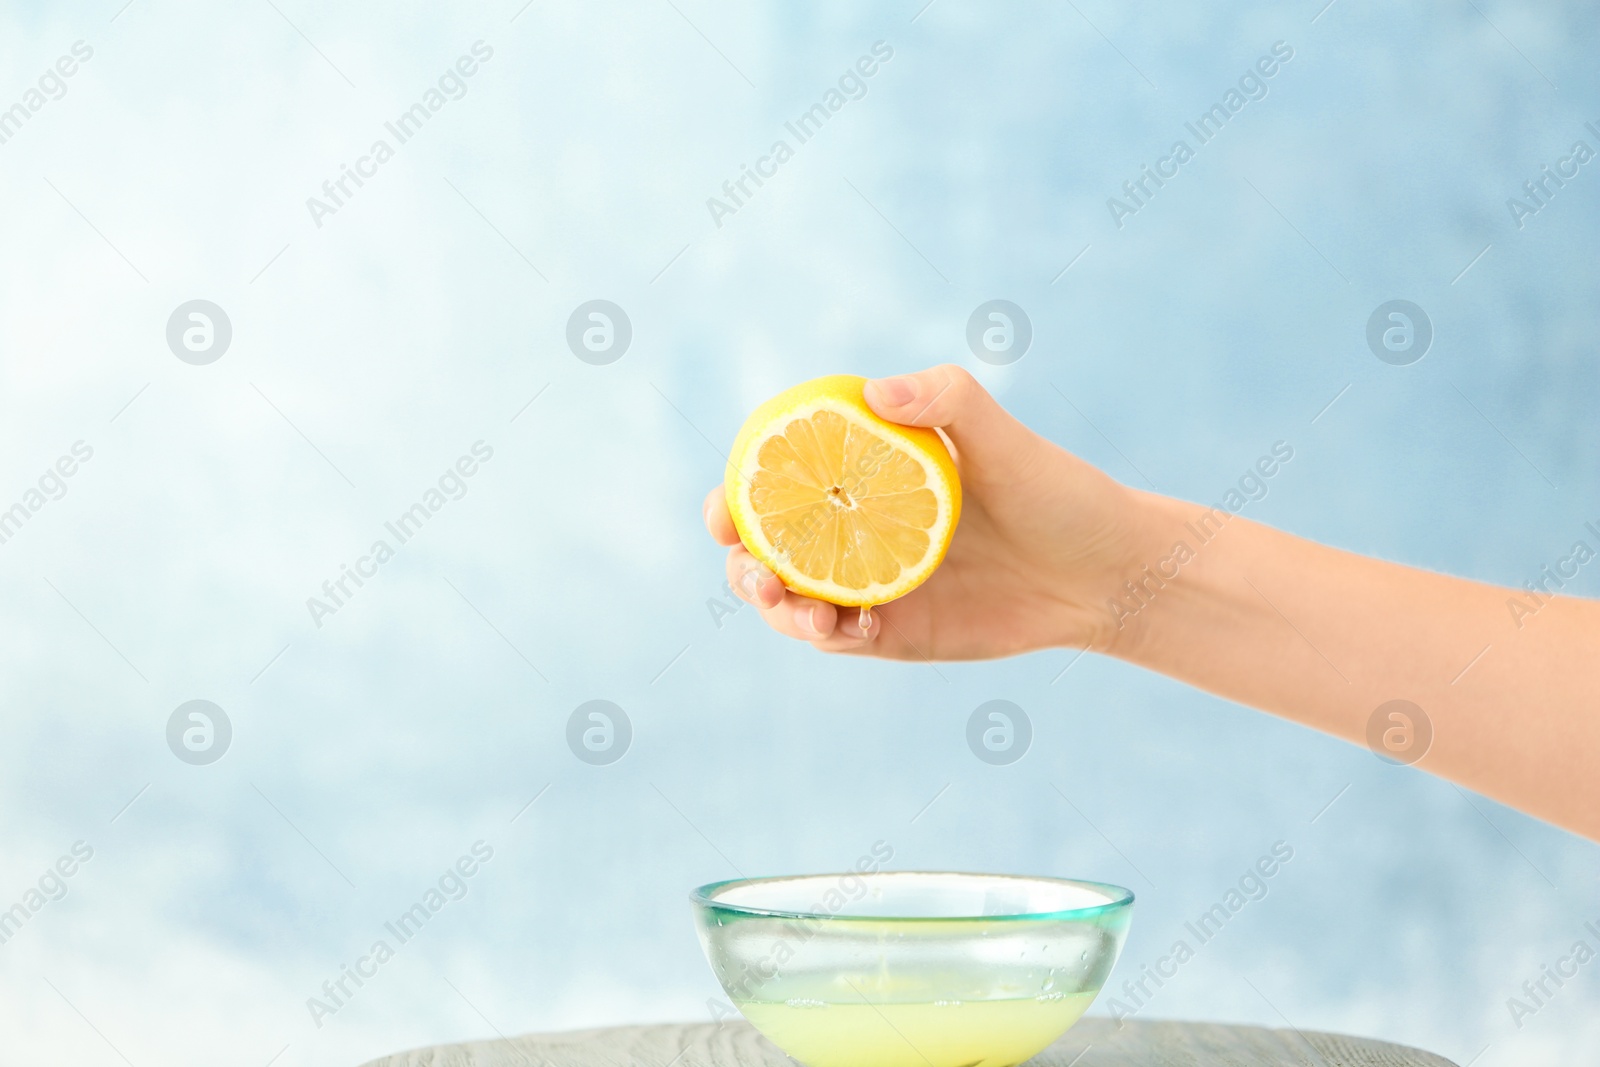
751,581
802,618
846,635
951,398
718,521
829,628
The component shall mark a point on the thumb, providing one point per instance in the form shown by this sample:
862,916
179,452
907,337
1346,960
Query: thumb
984,433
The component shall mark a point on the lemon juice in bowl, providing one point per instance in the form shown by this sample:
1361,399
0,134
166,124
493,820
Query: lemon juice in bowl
914,969
894,1033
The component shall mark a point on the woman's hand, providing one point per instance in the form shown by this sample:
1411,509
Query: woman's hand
1044,542
1496,685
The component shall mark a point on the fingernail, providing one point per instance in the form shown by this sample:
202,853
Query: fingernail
804,618
893,392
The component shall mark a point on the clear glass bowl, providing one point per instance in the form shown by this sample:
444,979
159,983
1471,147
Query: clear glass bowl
911,968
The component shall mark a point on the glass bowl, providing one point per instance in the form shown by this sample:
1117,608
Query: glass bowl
911,968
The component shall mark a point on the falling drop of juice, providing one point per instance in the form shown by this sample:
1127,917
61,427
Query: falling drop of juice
866,619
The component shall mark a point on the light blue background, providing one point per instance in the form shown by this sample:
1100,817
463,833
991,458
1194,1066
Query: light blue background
415,322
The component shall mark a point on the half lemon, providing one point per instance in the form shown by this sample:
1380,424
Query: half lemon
840,504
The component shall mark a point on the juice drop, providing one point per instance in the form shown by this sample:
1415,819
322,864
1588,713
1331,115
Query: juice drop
865,619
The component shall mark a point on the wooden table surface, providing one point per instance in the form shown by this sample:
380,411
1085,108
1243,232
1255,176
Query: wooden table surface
1092,1043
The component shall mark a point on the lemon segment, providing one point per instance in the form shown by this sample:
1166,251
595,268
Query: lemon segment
840,504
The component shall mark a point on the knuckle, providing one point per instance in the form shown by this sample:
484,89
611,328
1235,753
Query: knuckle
956,385
957,375
748,584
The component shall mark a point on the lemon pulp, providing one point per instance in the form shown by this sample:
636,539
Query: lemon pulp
839,503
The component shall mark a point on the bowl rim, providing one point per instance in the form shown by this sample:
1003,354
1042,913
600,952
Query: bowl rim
705,897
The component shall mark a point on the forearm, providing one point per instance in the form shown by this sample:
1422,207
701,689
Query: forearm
1325,637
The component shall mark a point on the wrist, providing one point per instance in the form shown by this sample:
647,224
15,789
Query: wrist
1097,568
1163,545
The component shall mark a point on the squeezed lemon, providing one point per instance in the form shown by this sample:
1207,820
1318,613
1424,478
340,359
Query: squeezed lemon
840,504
